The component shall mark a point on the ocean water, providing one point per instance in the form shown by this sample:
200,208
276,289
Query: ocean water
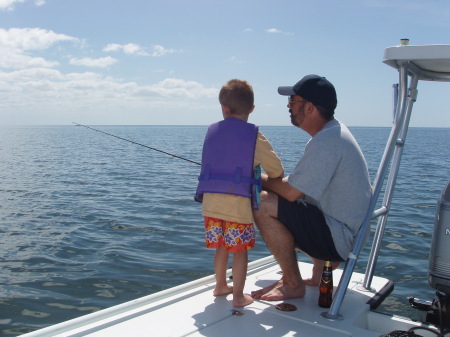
88,221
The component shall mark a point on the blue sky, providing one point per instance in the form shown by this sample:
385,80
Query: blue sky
144,62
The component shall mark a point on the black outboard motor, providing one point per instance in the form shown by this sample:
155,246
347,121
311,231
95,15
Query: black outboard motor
439,261
439,267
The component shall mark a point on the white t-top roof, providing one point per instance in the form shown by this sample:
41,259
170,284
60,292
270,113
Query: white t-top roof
433,60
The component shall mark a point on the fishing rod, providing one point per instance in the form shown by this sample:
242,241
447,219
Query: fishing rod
133,142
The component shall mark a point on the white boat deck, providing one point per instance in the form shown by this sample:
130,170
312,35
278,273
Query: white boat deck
192,310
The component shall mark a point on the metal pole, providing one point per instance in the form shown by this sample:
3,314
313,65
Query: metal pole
403,123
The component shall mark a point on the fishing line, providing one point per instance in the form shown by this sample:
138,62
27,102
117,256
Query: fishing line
133,142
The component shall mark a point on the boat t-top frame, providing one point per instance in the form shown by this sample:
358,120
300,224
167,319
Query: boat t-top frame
414,63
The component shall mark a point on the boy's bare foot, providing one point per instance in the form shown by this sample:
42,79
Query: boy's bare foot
220,291
242,301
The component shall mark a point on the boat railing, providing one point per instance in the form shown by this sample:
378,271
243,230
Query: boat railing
405,95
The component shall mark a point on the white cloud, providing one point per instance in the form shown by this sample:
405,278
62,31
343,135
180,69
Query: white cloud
14,58
234,59
160,50
9,4
31,38
129,49
102,62
277,31
45,89
31,84
135,49
273,30
132,48
16,42
20,78
173,87
112,47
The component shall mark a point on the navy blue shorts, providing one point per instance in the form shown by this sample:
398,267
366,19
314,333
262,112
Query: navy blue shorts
309,229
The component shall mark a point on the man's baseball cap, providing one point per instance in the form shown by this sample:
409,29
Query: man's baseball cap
313,88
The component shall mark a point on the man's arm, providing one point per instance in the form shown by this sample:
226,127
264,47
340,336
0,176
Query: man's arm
281,187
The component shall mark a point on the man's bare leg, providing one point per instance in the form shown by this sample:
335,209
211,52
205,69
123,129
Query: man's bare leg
317,271
281,243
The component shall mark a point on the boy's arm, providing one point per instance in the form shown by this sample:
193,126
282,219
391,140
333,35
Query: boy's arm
281,187
267,158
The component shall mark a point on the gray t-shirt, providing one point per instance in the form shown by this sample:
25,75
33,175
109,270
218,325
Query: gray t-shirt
333,175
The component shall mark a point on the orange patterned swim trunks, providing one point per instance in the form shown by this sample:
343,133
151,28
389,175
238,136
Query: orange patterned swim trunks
236,237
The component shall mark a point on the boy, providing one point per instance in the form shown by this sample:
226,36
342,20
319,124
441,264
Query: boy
231,151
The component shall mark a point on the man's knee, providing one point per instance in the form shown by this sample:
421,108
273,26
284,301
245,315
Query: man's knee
269,205
264,195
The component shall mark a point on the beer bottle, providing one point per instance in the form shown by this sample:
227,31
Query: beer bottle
326,286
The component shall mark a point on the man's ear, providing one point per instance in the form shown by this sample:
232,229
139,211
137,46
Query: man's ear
309,108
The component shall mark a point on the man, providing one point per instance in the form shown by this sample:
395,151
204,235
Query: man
320,207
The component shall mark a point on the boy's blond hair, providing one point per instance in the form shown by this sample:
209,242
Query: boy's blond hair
238,96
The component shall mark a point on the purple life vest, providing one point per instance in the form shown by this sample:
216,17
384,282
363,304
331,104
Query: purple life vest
227,159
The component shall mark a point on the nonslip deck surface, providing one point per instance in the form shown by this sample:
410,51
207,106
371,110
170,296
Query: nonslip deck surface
192,310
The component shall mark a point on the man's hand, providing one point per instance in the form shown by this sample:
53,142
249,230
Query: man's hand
281,187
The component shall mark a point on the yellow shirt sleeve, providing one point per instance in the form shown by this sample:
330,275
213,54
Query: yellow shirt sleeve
235,208
267,158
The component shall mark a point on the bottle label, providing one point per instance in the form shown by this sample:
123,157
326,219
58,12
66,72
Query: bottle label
326,276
